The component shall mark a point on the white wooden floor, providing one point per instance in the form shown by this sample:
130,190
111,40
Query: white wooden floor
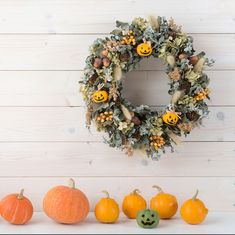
216,223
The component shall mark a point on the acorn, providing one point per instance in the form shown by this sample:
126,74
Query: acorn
136,120
192,116
124,57
193,59
106,61
104,53
183,56
97,63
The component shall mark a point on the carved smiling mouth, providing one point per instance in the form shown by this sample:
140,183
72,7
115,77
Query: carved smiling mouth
145,53
99,98
147,223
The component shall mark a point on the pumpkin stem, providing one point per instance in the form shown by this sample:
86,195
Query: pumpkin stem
107,193
195,196
72,183
136,191
158,188
21,194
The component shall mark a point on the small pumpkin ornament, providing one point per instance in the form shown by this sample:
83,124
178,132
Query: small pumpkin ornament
100,96
144,49
16,208
66,204
133,203
193,211
107,210
171,118
147,218
165,204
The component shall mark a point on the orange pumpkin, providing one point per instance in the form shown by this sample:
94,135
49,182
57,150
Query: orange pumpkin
165,204
193,211
107,210
133,203
66,204
16,208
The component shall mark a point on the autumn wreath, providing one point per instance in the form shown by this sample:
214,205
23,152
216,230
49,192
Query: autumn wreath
143,127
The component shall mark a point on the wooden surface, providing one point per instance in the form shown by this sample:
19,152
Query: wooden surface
43,138
41,224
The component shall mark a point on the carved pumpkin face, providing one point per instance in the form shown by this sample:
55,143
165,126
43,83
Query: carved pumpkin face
147,218
100,96
144,49
170,118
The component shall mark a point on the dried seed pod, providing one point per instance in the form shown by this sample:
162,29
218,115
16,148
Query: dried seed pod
106,61
97,63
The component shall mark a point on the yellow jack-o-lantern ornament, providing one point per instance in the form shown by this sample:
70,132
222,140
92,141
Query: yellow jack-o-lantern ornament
144,49
170,118
100,96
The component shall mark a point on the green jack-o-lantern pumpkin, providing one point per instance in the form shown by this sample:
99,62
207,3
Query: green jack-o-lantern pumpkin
147,218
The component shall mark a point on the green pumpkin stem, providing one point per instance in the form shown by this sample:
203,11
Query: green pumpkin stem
72,183
195,196
136,191
107,193
158,188
21,194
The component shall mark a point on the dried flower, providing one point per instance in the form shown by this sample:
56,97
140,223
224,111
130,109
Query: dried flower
105,116
157,141
175,74
186,127
173,25
202,95
113,92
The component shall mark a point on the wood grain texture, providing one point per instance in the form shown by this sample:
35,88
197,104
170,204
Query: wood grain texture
220,189
78,16
61,88
68,124
97,159
68,52
43,138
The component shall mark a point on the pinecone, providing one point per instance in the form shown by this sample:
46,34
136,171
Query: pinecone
185,85
93,78
192,116
136,120
124,57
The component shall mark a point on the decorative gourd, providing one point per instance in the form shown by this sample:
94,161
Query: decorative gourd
170,118
165,204
16,208
100,96
66,205
107,210
147,218
193,211
133,203
144,49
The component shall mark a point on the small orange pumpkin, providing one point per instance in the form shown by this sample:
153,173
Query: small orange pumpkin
193,211
165,204
133,203
107,210
66,204
16,208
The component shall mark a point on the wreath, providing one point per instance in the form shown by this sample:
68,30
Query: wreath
142,127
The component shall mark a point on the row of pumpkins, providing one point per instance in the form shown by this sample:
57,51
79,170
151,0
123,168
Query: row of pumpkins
68,205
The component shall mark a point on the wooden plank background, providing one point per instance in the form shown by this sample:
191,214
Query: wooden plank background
43,138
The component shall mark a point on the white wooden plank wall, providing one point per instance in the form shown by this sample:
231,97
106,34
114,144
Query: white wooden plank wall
43,139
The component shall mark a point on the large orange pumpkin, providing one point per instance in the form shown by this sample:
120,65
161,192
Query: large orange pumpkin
16,208
66,204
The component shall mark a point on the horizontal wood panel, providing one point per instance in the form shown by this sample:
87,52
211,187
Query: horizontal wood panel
97,159
77,16
68,124
68,52
61,88
217,193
